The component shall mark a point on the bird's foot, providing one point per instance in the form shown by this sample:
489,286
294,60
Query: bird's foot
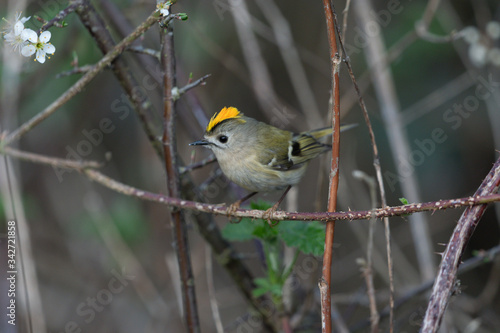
269,214
231,210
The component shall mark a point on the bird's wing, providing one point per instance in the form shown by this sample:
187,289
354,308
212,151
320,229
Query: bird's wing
305,147
300,149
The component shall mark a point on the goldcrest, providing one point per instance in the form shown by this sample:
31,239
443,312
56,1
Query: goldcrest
257,156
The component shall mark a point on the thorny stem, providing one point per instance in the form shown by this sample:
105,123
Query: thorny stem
300,216
325,282
444,285
173,184
219,209
378,171
482,257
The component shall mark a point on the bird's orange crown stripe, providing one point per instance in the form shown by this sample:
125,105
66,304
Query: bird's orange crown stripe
225,113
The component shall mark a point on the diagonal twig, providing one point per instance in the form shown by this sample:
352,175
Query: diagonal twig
80,84
178,92
444,286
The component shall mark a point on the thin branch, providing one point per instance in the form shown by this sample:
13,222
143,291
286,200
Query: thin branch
422,25
60,16
209,160
325,282
142,50
178,92
378,172
80,84
77,70
78,165
211,290
367,268
444,285
221,209
181,243
482,258
345,12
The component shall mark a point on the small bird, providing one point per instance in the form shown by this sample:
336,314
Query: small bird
260,157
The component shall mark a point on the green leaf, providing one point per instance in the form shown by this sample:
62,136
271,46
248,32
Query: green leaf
260,205
404,201
265,232
264,286
239,232
308,237
249,229
262,229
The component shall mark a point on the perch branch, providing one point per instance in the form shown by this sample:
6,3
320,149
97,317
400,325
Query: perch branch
222,209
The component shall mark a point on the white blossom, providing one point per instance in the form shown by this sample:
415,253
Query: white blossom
13,32
39,45
164,8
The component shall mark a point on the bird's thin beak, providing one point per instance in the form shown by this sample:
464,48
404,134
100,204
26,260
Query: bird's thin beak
200,143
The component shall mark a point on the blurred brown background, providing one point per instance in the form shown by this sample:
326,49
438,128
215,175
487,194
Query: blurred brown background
270,59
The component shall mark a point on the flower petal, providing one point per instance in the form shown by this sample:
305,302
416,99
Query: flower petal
45,36
40,56
30,35
18,28
9,37
25,19
28,50
49,48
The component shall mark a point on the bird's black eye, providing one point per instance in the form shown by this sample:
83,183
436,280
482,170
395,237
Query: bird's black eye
222,138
